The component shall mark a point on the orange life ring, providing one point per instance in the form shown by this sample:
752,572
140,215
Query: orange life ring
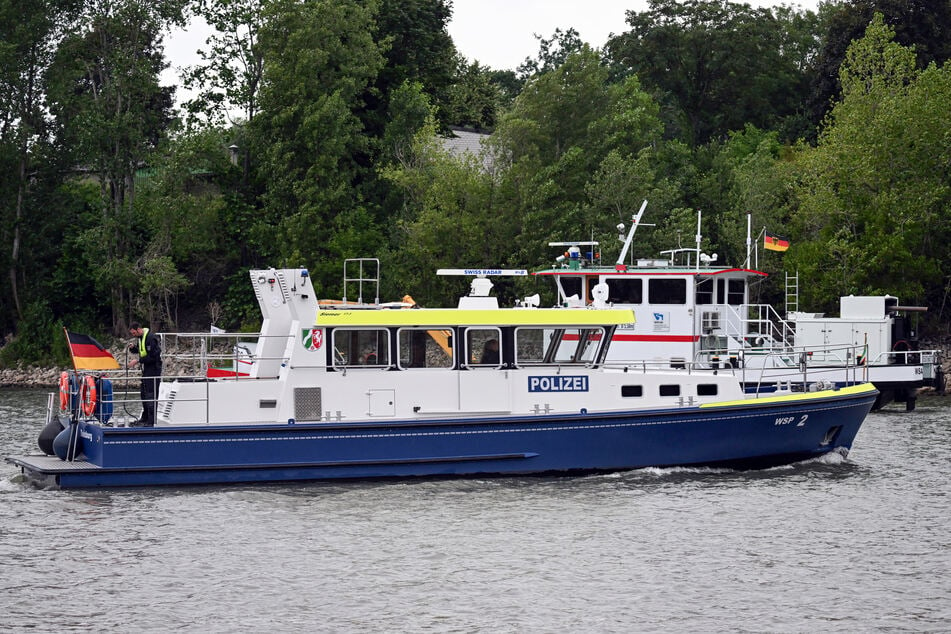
87,395
64,391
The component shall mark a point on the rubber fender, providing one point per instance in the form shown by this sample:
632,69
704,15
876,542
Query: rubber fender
66,444
104,405
48,435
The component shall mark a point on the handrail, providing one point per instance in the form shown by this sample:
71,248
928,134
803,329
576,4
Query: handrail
751,326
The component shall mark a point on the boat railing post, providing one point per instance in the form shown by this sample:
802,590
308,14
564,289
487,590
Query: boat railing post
851,366
50,404
804,368
234,357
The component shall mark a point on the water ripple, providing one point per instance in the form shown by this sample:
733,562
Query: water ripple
835,544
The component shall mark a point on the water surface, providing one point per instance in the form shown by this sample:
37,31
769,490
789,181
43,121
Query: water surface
857,544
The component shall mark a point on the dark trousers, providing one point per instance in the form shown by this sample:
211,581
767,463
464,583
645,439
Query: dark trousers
149,392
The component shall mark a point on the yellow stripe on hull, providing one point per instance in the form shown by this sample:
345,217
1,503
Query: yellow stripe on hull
556,317
852,390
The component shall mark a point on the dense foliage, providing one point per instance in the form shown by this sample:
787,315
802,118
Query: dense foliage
316,133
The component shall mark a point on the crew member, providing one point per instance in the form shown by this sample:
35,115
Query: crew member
490,352
149,349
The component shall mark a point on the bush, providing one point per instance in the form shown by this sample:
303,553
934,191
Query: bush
38,341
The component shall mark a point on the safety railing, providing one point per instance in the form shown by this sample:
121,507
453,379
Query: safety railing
220,355
764,368
749,326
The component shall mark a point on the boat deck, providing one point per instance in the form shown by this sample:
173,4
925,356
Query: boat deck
51,464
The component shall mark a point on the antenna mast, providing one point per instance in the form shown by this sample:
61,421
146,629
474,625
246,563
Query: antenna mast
630,234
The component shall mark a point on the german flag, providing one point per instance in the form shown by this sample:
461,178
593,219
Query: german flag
88,354
774,242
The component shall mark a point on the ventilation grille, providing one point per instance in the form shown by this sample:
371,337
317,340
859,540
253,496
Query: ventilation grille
307,403
710,321
165,409
282,285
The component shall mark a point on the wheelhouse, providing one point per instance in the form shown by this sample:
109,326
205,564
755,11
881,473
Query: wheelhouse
436,339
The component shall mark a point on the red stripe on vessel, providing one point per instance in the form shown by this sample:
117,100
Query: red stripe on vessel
672,338
88,350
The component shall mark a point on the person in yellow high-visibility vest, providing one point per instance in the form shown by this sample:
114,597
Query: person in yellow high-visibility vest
149,349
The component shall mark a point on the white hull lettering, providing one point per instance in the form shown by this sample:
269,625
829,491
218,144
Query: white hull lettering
558,383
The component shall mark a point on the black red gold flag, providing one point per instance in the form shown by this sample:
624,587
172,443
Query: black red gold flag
88,354
774,242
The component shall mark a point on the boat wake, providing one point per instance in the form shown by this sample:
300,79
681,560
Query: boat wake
837,456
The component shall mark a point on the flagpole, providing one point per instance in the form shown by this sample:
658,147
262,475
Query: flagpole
70,348
756,245
749,220
73,424
698,238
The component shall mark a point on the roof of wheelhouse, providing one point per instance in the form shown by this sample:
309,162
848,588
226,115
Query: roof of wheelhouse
649,272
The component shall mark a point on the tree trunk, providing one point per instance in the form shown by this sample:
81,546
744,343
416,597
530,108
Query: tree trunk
17,222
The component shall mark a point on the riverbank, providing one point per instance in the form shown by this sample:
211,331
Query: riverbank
30,376
38,376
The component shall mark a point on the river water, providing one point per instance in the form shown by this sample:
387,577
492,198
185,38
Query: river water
851,545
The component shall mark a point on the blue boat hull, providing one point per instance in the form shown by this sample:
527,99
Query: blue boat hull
742,436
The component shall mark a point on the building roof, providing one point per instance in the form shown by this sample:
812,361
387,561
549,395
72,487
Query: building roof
467,141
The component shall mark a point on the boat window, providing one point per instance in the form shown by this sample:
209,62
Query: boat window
587,347
731,292
704,292
667,291
557,345
483,347
629,290
735,294
368,347
425,348
707,389
531,343
632,390
574,286
670,390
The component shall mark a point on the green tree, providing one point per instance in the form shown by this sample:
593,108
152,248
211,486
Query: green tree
229,77
28,30
194,226
738,179
874,194
309,140
924,25
615,193
554,111
454,215
474,100
508,85
716,66
111,112
410,111
549,172
552,53
554,139
415,42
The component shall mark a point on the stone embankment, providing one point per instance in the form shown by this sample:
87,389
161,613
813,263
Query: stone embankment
29,376
36,376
